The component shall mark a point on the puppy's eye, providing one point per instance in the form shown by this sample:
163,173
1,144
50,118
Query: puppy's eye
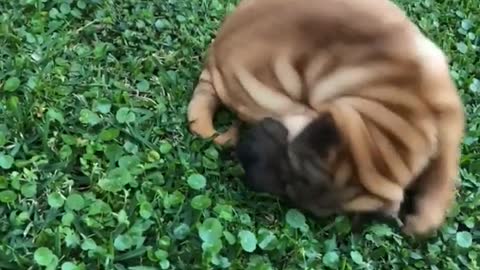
310,166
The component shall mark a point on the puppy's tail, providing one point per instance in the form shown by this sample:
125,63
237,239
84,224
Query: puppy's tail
202,109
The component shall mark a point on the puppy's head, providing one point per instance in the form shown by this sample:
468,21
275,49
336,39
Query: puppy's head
288,158
295,159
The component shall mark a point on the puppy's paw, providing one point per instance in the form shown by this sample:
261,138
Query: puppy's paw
425,221
229,138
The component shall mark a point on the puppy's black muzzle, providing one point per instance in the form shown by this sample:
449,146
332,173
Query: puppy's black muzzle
262,152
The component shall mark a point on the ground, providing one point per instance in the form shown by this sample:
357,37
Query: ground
98,169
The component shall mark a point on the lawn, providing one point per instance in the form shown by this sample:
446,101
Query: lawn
98,169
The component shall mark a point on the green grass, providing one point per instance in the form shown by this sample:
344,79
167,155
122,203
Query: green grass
98,169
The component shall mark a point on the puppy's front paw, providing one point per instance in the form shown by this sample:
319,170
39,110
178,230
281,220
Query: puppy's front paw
229,138
425,221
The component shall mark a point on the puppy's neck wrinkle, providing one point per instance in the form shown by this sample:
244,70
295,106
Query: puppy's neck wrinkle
362,120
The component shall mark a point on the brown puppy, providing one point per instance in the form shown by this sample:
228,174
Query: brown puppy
360,68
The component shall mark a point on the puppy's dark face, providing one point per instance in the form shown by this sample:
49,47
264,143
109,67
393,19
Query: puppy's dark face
310,155
292,170
299,170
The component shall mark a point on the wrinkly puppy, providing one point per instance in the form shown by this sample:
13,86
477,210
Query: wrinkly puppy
360,68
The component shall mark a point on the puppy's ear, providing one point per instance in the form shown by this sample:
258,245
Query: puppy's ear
320,135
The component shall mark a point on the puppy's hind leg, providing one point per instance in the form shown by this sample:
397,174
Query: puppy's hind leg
201,112
435,188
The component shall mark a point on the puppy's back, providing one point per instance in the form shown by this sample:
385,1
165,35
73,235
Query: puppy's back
267,38
312,23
